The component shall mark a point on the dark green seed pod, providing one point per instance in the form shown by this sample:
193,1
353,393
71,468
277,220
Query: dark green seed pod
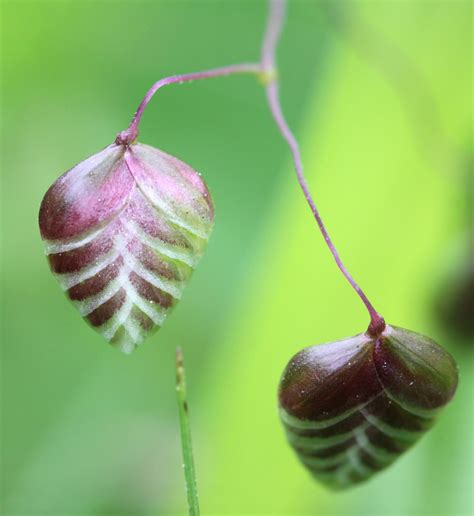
351,407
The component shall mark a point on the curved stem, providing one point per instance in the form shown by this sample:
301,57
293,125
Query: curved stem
130,134
266,70
273,31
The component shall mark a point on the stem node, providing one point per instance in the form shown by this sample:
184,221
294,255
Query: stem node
127,137
377,325
267,76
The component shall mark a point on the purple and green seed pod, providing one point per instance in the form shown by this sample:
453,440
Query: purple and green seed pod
351,407
123,231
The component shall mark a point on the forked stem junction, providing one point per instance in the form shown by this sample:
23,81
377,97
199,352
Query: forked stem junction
266,70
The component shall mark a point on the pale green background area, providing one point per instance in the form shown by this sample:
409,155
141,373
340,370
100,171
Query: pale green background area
86,430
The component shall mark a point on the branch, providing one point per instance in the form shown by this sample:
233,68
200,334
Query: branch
131,133
266,70
274,27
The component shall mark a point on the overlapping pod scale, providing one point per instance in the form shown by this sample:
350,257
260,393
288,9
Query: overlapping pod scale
123,231
351,407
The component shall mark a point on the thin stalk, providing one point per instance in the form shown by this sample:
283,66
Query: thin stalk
266,70
186,444
130,134
274,27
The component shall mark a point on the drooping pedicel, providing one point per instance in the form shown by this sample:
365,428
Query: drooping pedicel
123,231
351,407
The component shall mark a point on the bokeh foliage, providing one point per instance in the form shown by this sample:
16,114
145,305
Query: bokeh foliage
87,430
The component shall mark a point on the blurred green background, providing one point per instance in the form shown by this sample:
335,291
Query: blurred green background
379,94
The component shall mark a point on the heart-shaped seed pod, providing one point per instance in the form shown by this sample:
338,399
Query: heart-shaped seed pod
351,407
123,231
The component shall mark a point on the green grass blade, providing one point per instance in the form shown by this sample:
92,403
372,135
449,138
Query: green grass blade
186,444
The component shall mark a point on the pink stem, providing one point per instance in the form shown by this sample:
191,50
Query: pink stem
267,71
274,27
130,134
